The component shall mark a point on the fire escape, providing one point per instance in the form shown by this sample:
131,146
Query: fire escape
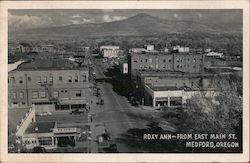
51,98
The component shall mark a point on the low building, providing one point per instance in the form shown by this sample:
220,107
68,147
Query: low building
50,84
163,85
214,54
171,96
180,49
110,51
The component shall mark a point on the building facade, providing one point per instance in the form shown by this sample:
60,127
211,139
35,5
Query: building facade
51,87
183,62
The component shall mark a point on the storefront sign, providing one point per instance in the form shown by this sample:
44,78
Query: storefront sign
64,130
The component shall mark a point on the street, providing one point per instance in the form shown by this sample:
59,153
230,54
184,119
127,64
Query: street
117,114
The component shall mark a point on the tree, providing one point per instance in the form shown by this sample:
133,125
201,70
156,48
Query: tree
207,115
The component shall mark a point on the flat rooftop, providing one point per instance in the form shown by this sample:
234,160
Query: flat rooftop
42,127
48,64
15,116
171,73
165,88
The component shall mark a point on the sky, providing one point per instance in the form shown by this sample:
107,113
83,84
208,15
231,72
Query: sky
41,18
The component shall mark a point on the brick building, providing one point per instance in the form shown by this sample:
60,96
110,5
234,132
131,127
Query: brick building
50,84
183,62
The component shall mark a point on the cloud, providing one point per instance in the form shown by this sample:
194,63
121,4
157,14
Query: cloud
76,16
82,21
27,21
176,15
108,18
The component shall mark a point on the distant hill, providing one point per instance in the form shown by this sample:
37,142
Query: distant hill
138,25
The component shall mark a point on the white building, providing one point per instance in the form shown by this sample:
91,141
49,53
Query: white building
109,51
214,54
150,47
171,97
181,49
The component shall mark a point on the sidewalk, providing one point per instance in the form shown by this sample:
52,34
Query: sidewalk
94,125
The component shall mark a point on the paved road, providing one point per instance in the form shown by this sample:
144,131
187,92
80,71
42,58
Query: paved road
117,114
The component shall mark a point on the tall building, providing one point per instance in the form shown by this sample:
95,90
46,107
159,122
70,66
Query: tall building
183,62
50,84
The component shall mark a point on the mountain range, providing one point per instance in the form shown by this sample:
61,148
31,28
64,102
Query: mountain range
138,25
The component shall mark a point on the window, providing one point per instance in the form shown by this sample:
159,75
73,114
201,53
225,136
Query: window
164,60
141,60
146,60
34,94
14,95
76,78
51,79
55,93
135,61
39,79
194,60
42,94
45,79
20,80
12,80
23,103
70,79
45,140
21,95
60,78
170,60
84,78
78,93
29,78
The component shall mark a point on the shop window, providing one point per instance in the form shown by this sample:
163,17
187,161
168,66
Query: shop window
45,140
34,94
42,94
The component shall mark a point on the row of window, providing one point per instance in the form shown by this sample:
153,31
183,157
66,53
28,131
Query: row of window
46,79
21,95
55,94
165,60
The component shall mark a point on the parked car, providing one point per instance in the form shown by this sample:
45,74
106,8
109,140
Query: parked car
39,149
77,111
